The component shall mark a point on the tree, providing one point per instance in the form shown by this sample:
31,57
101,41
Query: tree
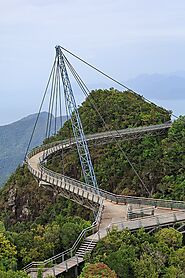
122,261
177,259
169,236
145,267
69,233
7,253
173,272
97,270
13,274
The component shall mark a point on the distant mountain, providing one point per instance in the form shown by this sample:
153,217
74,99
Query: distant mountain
14,140
159,86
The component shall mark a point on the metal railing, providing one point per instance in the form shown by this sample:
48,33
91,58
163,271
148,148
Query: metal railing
57,179
54,177
101,135
64,256
148,222
172,204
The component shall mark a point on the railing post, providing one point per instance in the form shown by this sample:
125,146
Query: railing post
77,260
175,217
54,274
98,234
66,266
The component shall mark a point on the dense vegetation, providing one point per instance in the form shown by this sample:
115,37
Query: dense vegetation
159,160
97,270
118,109
38,222
141,255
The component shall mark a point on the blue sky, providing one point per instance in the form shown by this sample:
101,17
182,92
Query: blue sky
124,38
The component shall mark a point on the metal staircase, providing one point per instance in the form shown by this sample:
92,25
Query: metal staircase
87,246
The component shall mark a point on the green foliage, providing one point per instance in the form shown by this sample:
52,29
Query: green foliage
2,228
142,255
39,274
121,261
13,274
145,154
7,253
41,242
145,267
177,259
97,270
41,231
173,272
172,183
41,224
159,160
170,237
36,219
119,110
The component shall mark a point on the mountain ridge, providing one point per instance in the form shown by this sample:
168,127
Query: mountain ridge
14,138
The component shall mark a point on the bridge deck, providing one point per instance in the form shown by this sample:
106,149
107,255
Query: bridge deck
114,216
115,210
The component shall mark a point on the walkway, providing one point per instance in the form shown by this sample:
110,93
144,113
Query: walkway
112,208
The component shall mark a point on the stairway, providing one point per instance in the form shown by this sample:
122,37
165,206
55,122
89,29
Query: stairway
87,246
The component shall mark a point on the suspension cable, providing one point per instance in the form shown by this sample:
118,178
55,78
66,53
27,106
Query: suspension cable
86,91
67,112
109,77
36,121
53,92
60,111
56,103
50,105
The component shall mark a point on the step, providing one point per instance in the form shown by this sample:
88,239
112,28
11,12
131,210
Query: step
90,240
80,254
89,243
86,246
84,250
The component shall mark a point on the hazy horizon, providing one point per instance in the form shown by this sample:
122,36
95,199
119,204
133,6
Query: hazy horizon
176,105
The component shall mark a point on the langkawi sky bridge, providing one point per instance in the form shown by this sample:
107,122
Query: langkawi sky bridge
110,210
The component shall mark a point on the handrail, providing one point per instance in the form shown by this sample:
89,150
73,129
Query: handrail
172,204
53,147
100,135
71,251
160,220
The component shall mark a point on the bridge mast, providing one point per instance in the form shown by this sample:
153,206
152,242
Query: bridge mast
82,147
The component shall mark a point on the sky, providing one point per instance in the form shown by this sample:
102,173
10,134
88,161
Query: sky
123,38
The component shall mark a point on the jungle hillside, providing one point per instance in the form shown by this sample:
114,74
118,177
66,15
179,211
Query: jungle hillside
36,223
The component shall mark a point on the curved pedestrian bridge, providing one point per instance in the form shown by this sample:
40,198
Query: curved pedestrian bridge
111,209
